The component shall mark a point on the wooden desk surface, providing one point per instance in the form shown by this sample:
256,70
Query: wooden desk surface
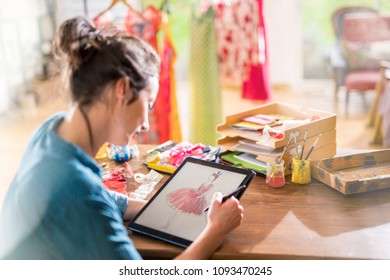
295,222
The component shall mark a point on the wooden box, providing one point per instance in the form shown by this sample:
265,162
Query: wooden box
324,123
354,173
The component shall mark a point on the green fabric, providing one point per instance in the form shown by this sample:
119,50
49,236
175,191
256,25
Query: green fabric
205,90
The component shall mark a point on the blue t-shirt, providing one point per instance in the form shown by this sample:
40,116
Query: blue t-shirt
57,207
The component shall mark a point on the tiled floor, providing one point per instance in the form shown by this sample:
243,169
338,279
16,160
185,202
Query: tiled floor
352,133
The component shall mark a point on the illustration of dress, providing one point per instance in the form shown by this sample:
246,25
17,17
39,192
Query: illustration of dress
189,200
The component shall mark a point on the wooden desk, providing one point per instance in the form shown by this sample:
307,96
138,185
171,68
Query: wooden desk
295,222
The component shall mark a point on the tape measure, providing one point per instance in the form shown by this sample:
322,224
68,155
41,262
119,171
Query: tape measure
153,157
152,161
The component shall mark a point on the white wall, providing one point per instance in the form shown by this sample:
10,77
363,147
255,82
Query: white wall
283,19
19,46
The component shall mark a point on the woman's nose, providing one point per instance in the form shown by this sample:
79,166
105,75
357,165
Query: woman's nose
145,126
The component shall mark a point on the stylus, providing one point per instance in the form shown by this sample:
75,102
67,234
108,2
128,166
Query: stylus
227,196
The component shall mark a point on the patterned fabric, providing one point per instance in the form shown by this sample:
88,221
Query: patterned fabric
242,53
238,39
205,92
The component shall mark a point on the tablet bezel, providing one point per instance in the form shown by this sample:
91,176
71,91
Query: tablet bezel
176,240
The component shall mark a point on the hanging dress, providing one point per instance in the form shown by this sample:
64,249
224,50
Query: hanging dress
166,105
205,91
257,86
237,37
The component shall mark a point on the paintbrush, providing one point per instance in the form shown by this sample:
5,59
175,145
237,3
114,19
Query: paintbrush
303,145
296,147
284,150
312,147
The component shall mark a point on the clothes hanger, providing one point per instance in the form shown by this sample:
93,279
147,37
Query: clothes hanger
113,3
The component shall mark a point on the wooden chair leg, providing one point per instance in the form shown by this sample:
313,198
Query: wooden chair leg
378,93
377,137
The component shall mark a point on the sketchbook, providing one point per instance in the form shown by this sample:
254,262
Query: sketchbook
177,212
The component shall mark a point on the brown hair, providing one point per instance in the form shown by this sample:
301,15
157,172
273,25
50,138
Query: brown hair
93,60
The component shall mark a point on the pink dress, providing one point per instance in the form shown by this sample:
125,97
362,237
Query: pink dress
191,201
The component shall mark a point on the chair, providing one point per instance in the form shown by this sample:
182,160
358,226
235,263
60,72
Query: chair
366,41
337,59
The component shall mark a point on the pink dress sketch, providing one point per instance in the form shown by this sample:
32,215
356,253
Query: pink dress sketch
189,200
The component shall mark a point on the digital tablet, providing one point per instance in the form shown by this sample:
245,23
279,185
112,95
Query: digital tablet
177,213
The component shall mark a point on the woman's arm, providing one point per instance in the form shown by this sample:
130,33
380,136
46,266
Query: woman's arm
222,219
132,208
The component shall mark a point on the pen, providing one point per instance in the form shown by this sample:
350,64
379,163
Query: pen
312,147
227,196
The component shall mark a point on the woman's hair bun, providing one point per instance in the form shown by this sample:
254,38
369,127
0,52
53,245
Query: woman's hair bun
77,40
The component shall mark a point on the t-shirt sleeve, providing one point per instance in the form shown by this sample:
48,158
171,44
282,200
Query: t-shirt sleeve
120,200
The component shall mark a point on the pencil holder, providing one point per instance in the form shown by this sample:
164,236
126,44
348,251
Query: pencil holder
275,174
301,171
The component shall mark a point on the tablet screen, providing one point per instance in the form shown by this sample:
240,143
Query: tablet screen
176,212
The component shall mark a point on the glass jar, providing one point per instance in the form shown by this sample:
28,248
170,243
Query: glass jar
275,174
301,171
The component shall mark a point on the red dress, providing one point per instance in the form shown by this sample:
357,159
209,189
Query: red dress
190,201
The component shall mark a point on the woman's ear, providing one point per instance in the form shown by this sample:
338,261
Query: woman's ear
122,90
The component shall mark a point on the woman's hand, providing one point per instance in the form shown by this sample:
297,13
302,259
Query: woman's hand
222,218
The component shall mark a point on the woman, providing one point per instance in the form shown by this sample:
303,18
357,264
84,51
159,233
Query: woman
56,206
